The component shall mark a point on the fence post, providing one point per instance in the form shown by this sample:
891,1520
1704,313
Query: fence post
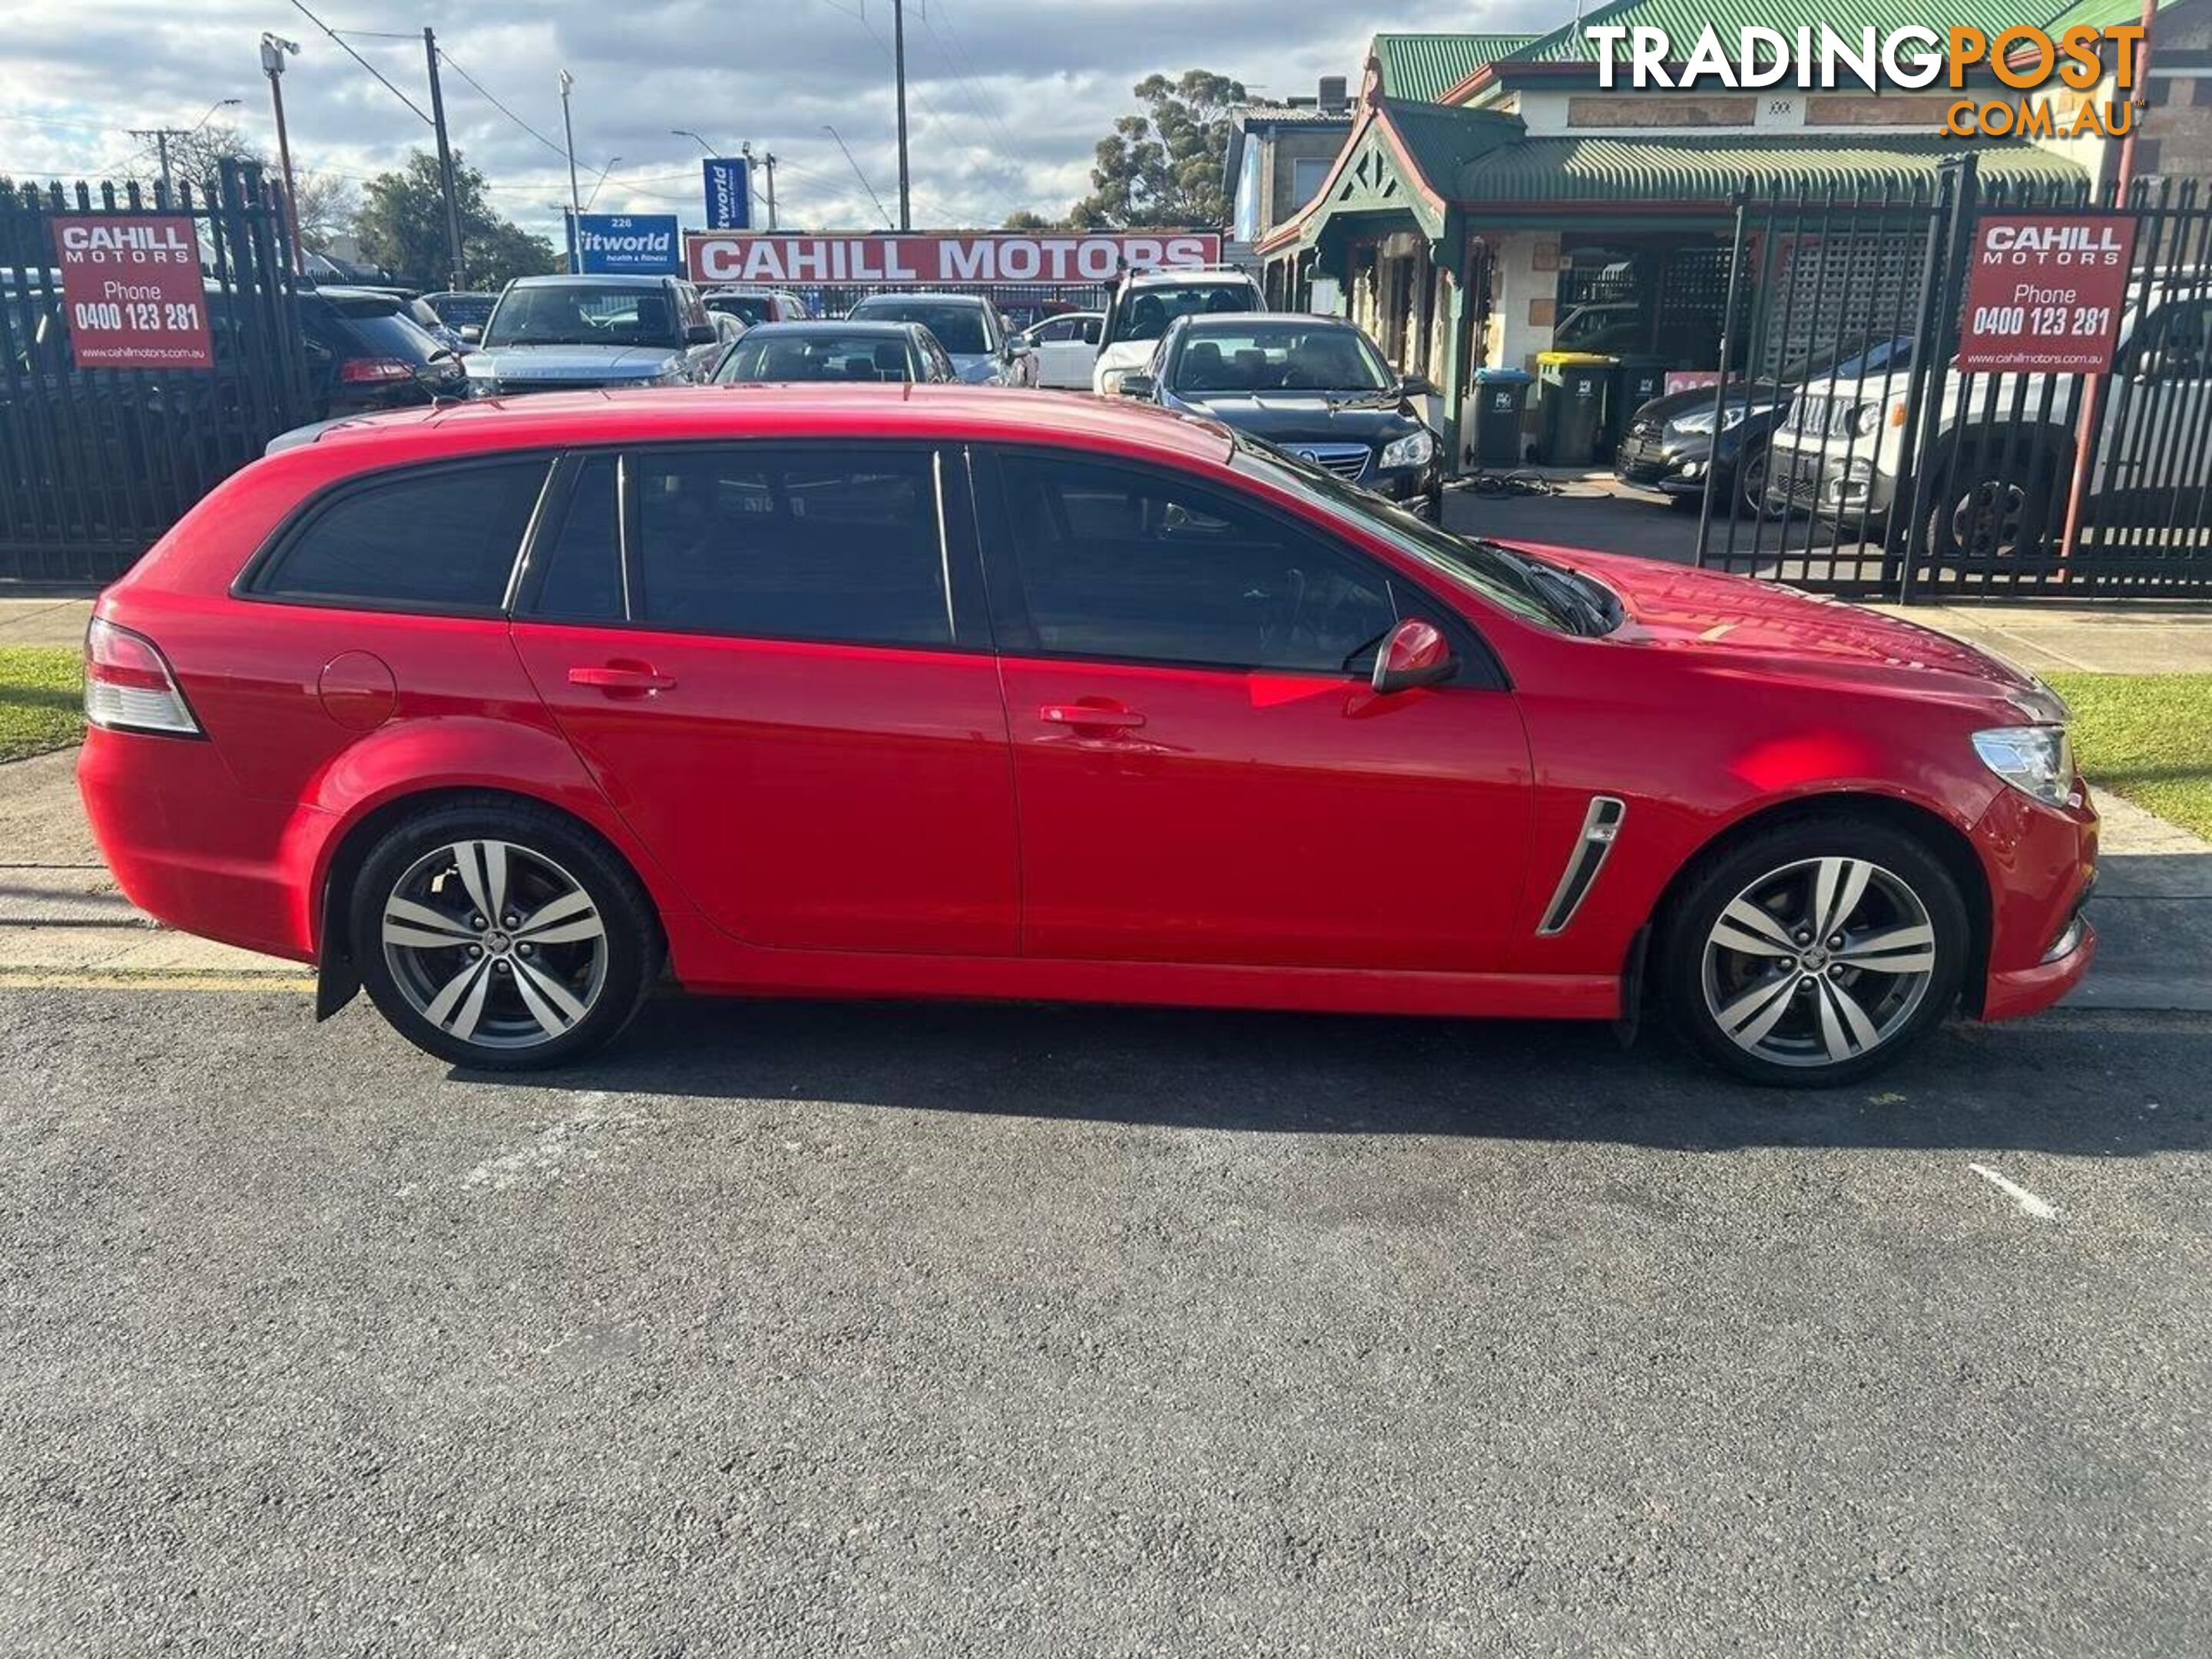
1720,386
1932,349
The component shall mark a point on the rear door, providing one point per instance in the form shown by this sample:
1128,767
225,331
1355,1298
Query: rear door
778,666
1204,773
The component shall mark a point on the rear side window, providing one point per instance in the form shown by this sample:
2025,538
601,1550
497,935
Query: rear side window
444,539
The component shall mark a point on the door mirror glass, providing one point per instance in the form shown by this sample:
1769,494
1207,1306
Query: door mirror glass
1416,385
1138,386
1416,654
472,333
1018,348
699,334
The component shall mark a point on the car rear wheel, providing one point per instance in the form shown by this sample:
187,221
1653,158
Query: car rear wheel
502,937
1814,953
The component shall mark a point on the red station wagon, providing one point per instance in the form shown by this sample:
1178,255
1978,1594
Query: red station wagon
926,691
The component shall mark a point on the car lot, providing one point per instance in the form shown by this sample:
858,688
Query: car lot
1028,1330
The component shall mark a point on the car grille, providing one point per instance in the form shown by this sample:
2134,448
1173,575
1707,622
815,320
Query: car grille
1345,461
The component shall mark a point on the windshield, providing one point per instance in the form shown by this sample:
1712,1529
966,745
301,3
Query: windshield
1277,357
771,357
1533,591
748,308
1876,357
579,313
1146,314
960,329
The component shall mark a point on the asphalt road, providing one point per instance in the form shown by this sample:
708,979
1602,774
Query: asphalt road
817,1329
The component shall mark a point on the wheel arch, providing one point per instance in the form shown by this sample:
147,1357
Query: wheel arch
1943,838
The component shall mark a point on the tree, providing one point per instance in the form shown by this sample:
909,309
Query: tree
1023,219
401,225
1163,167
325,206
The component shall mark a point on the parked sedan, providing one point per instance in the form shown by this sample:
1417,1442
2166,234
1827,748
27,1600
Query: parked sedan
837,351
926,691
966,326
1314,385
569,333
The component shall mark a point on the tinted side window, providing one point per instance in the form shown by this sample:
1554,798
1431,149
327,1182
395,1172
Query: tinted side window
582,558
1120,562
441,540
789,544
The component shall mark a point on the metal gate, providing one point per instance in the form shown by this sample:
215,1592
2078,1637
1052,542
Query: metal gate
95,463
1853,456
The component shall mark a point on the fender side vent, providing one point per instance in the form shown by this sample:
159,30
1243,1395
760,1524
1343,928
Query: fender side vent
1600,828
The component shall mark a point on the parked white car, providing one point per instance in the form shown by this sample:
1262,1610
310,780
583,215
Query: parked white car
1066,346
1146,301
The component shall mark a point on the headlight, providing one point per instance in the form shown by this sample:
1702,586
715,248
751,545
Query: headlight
1414,449
1109,383
482,385
1702,419
2036,760
1866,421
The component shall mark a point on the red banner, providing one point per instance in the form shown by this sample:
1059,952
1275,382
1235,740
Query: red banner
131,291
716,257
2044,291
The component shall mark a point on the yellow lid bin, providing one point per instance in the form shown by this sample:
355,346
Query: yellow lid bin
1571,412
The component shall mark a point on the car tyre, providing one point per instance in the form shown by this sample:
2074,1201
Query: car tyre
1813,953
503,936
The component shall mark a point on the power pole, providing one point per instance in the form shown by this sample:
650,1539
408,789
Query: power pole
160,136
898,62
444,162
273,49
568,131
770,159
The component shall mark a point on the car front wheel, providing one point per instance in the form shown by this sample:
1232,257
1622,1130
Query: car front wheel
502,937
1814,953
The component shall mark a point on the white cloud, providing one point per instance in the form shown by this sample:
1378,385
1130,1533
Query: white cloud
1007,97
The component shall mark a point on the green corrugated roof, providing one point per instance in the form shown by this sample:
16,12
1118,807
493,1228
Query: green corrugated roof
1683,20
1546,172
2101,13
1422,67
1445,139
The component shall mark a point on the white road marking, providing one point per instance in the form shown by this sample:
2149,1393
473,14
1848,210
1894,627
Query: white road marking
2041,1208
548,1159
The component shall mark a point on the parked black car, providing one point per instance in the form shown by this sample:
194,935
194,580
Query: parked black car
1670,443
366,353
1315,386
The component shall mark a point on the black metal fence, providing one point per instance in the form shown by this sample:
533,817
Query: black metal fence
1855,456
95,463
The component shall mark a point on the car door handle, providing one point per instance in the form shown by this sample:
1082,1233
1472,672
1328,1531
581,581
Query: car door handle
622,677
1082,714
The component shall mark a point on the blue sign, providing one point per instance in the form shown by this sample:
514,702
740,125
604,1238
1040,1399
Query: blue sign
729,194
628,244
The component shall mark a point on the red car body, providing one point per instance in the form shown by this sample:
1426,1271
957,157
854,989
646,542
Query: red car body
829,818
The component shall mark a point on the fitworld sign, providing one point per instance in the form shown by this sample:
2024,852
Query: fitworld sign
897,260
633,244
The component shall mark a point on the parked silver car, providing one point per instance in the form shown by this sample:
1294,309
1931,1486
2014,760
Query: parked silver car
569,333
968,327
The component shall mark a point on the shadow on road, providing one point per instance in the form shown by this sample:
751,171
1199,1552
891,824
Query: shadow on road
2099,1084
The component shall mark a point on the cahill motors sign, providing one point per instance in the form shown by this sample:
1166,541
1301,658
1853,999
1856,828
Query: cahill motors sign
863,261
131,291
2045,292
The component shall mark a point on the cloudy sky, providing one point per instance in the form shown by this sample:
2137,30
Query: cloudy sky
1007,97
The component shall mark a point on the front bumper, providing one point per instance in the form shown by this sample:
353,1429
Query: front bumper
1650,461
2041,862
1842,489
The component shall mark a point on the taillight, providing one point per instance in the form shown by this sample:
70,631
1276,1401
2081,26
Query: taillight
375,370
128,687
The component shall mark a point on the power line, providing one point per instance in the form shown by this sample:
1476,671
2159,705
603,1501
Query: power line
363,62
452,64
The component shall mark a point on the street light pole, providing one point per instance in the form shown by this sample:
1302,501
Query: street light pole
898,60
575,203
274,47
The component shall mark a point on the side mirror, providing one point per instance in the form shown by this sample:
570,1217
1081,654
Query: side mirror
1416,654
700,334
1018,348
1139,386
471,334
1417,385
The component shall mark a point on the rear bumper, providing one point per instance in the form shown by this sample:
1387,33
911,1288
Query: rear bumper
192,850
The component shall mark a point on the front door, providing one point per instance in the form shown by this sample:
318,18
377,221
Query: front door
1203,774
778,669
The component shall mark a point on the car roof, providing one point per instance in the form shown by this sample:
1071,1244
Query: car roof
936,299
830,325
616,279
1206,319
1180,276
809,409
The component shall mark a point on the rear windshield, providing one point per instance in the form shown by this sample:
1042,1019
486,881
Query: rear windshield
389,334
747,307
463,310
959,328
1146,314
818,357
578,313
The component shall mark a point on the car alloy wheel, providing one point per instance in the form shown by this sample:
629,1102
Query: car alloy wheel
495,945
1818,962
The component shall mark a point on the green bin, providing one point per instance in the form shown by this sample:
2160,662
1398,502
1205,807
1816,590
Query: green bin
1640,379
1572,411
1501,396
